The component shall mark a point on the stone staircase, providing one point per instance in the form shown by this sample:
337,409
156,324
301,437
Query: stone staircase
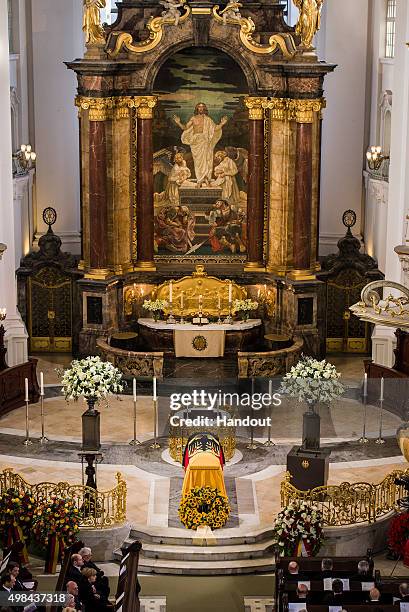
174,551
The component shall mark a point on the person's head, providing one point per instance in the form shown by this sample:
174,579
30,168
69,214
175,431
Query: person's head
220,156
90,574
404,589
293,567
86,554
8,581
363,567
337,586
326,565
302,591
374,594
77,560
13,568
72,588
201,109
179,159
70,603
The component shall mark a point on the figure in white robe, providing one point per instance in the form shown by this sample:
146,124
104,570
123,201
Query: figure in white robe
178,175
225,173
202,134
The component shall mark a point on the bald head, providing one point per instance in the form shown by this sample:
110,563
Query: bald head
293,567
72,587
404,589
374,594
302,591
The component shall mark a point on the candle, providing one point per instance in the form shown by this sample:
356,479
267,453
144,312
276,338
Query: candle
230,293
41,383
171,292
26,389
381,398
181,301
134,389
365,384
219,302
270,388
155,397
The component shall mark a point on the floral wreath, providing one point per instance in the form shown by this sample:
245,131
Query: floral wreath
16,513
204,506
298,529
399,533
56,517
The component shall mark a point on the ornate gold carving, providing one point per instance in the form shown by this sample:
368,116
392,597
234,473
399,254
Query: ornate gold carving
155,26
100,109
123,106
389,311
305,464
199,283
349,503
91,25
309,21
284,42
145,106
256,107
289,109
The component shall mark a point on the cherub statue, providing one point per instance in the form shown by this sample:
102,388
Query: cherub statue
172,9
231,11
94,32
309,21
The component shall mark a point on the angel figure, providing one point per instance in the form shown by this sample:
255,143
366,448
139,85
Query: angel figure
309,21
172,9
231,11
94,32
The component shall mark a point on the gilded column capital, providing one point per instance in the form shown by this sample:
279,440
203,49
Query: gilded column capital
145,106
255,107
123,106
278,107
304,111
100,109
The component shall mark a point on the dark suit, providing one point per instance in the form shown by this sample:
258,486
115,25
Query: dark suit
74,574
9,608
334,599
102,583
91,603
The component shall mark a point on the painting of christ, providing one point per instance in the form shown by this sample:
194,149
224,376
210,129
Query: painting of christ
200,157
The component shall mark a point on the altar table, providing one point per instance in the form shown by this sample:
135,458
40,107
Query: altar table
188,340
204,470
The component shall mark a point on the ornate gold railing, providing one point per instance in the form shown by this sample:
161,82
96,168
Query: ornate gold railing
349,503
98,509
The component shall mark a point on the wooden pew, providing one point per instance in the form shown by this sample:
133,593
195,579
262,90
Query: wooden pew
127,594
65,566
12,386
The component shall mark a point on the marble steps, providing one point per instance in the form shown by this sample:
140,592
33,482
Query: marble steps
175,551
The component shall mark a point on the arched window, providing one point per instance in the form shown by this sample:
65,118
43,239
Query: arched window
390,28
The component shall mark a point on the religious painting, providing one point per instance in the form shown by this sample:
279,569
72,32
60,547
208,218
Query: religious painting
200,157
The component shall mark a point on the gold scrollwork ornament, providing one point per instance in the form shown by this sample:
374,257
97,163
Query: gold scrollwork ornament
230,16
155,26
309,21
92,26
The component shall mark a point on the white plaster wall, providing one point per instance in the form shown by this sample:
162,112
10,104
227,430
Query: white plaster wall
343,40
57,37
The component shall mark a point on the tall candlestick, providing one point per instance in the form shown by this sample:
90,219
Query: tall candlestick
134,441
134,389
270,388
269,441
155,397
219,302
171,292
230,293
41,383
382,383
365,384
26,390
182,301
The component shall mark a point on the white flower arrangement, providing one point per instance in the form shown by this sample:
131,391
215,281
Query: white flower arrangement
91,377
298,525
155,305
312,381
244,305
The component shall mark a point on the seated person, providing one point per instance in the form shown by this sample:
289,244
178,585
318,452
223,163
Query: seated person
326,569
13,568
102,583
301,595
92,601
364,574
72,589
403,593
336,597
74,571
7,583
293,572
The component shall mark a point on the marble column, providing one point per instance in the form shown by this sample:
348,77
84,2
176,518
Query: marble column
96,241
255,185
144,195
16,335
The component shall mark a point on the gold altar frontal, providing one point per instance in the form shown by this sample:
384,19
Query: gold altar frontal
179,434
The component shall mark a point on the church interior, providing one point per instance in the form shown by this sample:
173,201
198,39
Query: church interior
204,305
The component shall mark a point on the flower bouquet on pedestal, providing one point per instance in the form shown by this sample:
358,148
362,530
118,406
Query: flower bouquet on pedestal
156,307
312,381
244,308
298,530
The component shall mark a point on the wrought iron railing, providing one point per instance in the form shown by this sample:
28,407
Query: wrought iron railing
98,509
349,503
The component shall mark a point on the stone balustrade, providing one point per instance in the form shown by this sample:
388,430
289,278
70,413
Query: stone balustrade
269,363
132,364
